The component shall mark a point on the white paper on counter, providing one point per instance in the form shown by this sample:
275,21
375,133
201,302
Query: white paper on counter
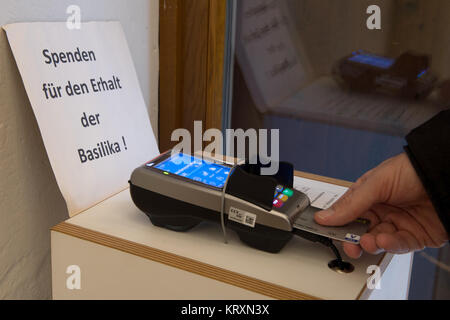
322,195
123,120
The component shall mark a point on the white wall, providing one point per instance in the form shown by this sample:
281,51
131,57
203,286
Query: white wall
30,202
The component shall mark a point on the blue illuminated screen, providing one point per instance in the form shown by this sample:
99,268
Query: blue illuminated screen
376,61
196,169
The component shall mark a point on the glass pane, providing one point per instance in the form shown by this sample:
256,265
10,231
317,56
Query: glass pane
344,82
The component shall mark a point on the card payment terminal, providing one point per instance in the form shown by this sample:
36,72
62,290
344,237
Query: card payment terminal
178,191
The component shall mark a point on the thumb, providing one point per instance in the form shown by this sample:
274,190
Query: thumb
354,203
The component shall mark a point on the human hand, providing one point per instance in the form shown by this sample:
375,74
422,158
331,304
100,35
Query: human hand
392,197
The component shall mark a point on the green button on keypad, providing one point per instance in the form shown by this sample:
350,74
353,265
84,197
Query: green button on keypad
288,192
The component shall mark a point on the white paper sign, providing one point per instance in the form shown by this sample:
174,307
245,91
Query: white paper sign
273,68
86,97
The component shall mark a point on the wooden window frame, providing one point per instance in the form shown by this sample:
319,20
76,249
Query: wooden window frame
192,51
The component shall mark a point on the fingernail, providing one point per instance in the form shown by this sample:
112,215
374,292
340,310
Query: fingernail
325,214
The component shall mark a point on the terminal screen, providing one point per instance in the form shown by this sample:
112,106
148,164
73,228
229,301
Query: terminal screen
376,61
195,169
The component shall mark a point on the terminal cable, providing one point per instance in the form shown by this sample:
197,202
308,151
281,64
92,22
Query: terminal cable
327,242
222,207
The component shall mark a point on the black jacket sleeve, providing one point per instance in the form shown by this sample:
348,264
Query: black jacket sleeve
429,151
